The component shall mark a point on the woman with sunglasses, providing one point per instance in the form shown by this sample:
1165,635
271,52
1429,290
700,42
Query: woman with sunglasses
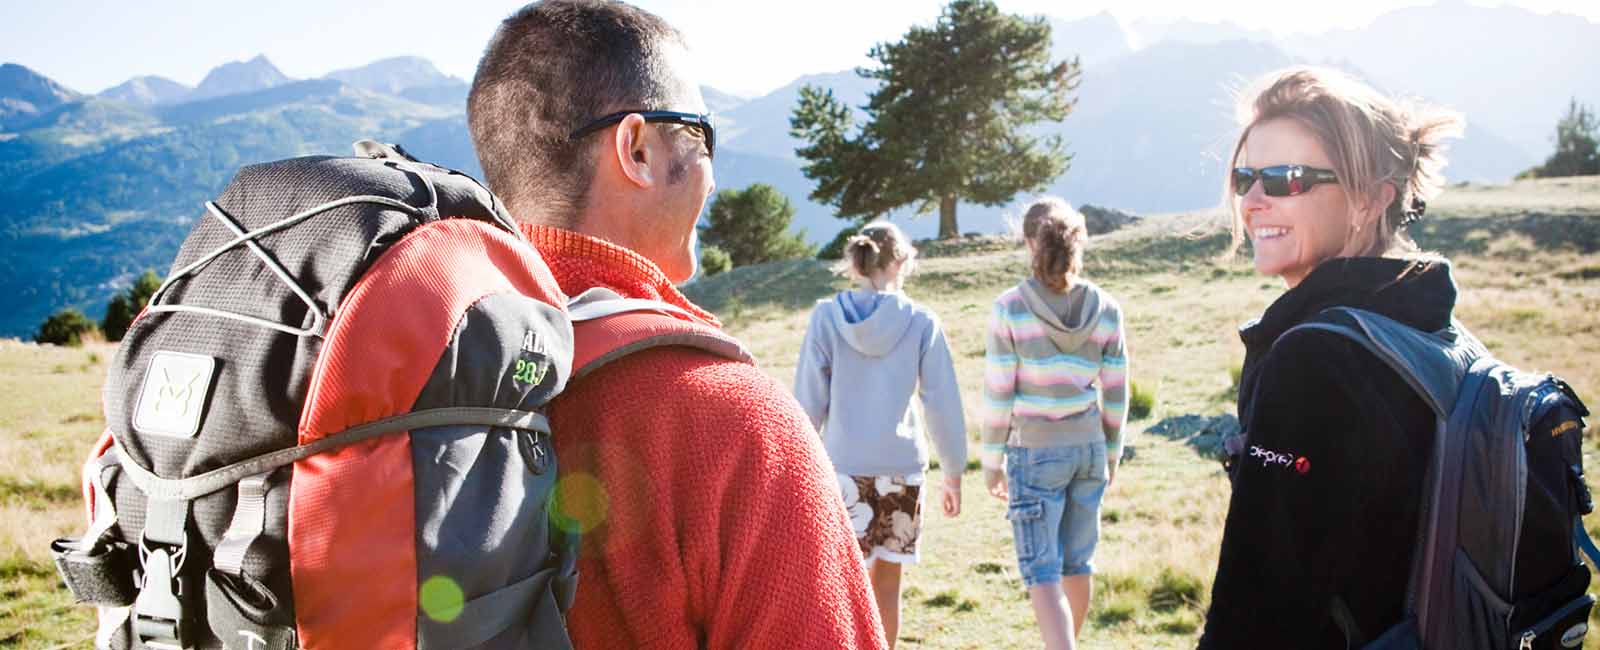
866,354
1327,477
1055,384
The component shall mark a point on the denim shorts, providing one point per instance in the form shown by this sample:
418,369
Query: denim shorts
1055,508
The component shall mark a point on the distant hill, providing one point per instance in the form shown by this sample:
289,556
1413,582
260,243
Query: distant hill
1148,32
450,94
1093,40
395,75
1509,69
99,188
1149,135
148,90
90,206
761,125
718,101
238,77
25,94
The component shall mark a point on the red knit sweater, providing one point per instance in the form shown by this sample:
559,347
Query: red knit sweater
710,513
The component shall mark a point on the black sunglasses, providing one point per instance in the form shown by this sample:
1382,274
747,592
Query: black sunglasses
701,121
1281,180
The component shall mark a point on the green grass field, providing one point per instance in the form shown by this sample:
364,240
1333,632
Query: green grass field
1527,257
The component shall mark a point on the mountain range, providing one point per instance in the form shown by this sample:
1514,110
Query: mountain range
100,187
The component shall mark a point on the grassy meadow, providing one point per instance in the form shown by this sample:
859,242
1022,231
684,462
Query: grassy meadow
1527,257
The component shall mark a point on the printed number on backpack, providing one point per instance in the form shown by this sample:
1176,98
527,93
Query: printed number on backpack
529,372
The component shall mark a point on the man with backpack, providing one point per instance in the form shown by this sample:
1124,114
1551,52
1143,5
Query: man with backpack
335,425
703,498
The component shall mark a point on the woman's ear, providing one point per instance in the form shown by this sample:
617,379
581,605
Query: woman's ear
1371,214
633,152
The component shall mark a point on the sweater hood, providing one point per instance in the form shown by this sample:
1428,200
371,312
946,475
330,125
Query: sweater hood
875,331
1420,294
1070,318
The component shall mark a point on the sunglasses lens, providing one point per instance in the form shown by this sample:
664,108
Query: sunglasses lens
1243,178
1280,181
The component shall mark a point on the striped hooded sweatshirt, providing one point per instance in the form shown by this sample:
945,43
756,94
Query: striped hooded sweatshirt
1055,371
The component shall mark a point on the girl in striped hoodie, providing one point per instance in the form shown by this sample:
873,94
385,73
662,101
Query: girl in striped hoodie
1055,389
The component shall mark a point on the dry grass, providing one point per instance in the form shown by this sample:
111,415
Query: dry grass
1527,259
49,416
1530,288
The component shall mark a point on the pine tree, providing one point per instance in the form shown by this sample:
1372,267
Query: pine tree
949,121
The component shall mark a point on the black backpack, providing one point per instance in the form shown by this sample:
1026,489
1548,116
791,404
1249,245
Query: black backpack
1497,561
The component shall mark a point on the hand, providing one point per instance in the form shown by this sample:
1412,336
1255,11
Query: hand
951,496
996,481
1111,474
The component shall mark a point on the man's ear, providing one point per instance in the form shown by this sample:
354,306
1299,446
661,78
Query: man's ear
633,152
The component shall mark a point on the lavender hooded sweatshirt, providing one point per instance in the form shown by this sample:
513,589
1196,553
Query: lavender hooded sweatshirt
860,365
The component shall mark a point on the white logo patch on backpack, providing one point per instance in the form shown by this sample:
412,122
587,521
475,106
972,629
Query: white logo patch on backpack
174,394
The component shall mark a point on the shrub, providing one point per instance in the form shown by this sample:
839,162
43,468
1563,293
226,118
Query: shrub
714,260
1175,589
126,305
66,327
1577,146
1115,612
1141,402
834,250
752,226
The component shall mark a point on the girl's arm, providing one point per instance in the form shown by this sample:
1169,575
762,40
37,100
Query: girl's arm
999,390
814,371
941,401
1114,385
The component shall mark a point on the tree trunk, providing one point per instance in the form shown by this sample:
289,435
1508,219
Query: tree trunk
947,218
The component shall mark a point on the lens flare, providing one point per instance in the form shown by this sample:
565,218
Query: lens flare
441,599
579,503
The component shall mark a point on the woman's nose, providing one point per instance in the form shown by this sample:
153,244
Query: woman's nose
1254,199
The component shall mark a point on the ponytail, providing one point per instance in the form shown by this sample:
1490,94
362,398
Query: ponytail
1058,234
878,245
863,254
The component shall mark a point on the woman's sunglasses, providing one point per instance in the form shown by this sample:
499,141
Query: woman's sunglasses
699,121
1281,180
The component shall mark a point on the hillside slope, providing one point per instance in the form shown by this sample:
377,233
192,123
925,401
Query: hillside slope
1526,256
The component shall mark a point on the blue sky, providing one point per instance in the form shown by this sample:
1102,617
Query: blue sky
743,46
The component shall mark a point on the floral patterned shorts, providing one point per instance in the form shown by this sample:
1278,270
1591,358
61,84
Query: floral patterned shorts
886,512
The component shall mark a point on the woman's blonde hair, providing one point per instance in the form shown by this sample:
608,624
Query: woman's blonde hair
878,245
1058,233
1371,139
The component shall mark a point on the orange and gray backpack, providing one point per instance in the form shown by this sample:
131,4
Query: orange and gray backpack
325,431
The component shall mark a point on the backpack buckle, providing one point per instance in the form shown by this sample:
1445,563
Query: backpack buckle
159,619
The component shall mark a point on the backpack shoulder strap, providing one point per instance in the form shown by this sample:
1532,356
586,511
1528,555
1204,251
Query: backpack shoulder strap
607,327
1432,363
1437,366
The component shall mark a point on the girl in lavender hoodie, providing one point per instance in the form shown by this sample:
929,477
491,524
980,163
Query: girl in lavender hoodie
866,352
1055,388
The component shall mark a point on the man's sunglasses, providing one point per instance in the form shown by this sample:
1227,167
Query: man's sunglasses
1281,180
701,121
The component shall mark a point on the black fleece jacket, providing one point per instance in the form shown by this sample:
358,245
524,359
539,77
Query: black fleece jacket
1326,496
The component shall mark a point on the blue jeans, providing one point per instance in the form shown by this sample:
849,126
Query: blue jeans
1055,508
